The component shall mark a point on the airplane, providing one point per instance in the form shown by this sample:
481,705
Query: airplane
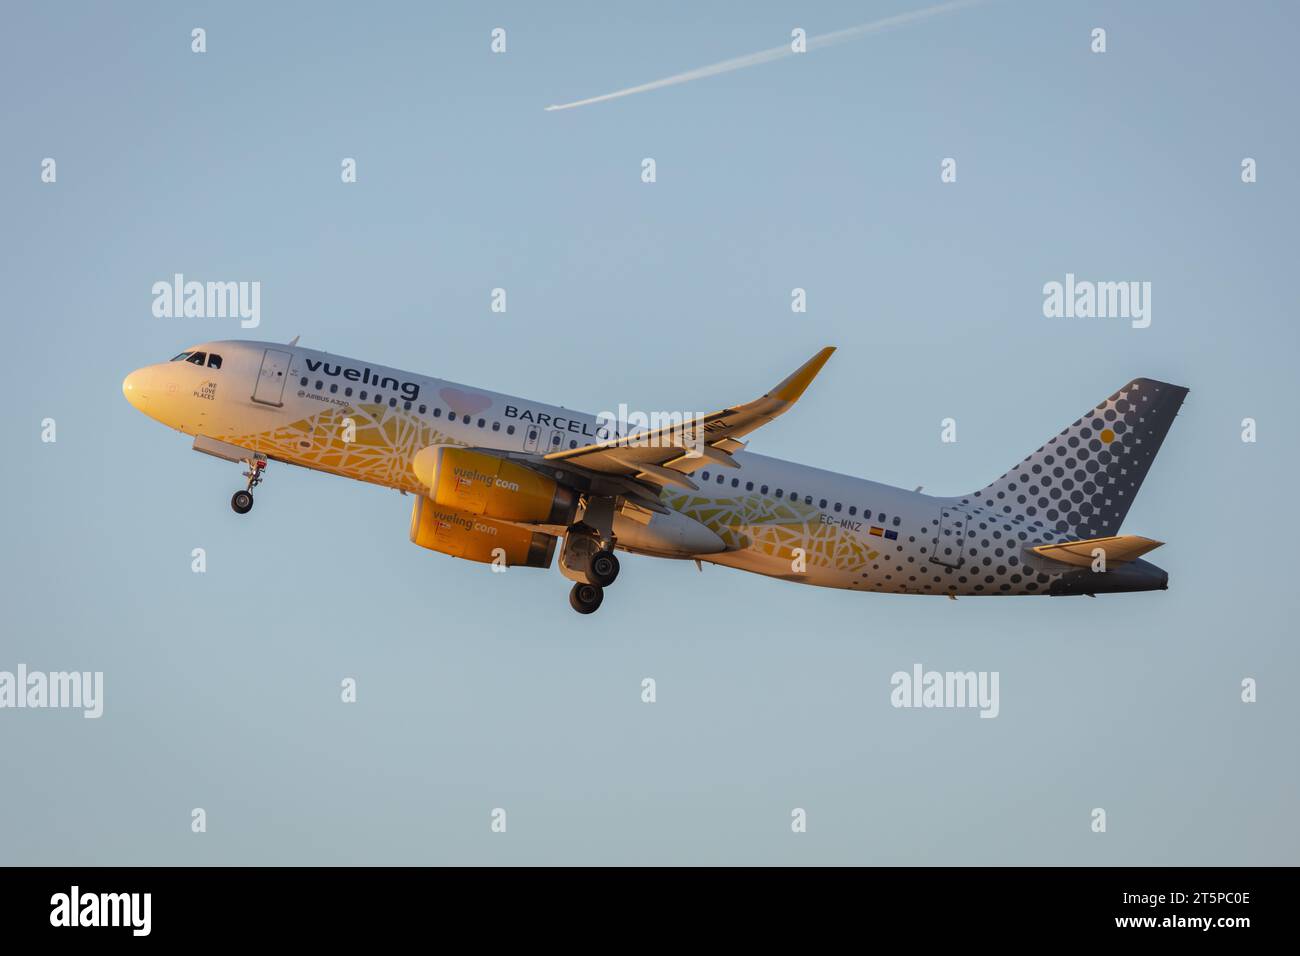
507,481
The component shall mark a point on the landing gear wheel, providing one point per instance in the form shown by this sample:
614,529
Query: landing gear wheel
603,568
585,598
242,501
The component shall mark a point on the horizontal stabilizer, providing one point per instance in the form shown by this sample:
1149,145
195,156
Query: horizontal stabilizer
1119,549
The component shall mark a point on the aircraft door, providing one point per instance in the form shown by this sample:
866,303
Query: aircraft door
271,377
949,542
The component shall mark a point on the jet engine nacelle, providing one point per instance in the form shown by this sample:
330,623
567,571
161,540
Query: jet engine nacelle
476,538
492,487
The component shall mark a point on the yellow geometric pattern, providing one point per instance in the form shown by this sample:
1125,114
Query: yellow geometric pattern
775,527
385,441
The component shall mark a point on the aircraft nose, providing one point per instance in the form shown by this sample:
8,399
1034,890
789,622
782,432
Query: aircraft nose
136,388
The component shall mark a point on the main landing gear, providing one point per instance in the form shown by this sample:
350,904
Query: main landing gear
242,501
590,562
603,568
585,598
587,557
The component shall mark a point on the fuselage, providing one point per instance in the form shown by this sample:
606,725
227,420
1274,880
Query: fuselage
367,421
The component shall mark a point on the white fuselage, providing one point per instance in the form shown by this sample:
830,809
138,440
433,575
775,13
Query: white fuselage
776,518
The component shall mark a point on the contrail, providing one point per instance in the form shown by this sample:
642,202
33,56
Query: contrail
777,52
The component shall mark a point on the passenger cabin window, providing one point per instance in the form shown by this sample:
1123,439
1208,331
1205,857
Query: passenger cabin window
214,360
197,358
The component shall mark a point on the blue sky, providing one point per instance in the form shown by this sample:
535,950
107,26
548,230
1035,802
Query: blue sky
478,691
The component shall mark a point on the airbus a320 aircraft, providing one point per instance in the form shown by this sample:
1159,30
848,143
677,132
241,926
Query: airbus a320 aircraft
502,480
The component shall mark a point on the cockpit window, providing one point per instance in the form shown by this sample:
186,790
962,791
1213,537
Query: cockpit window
214,360
182,357
196,358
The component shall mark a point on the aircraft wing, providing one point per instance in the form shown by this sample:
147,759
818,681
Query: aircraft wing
668,455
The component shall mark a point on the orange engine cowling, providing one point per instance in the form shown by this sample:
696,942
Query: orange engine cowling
492,487
476,538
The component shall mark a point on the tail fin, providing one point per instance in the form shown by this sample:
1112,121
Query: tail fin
1083,481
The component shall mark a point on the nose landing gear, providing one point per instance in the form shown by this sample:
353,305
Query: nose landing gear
242,501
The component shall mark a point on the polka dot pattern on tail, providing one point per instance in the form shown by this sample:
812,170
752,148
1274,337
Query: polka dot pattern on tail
1082,482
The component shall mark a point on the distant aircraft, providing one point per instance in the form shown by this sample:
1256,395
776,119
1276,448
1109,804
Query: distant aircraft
503,480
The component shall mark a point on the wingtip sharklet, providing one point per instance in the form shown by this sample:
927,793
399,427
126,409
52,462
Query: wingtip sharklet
797,383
